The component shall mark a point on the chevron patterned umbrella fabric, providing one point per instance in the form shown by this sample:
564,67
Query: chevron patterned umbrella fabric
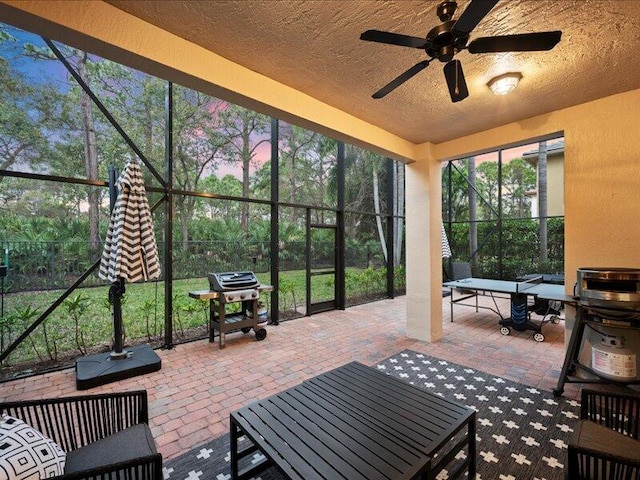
130,250
446,249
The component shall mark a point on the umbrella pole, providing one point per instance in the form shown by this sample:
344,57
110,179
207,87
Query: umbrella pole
116,291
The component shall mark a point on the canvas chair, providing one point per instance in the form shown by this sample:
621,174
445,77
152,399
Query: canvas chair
104,436
605,444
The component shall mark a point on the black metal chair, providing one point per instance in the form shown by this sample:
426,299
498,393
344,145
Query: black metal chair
605,444
105,436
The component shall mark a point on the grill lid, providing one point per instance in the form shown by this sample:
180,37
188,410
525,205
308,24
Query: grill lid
222,282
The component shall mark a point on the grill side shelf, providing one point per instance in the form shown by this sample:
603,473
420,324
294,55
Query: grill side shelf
212,294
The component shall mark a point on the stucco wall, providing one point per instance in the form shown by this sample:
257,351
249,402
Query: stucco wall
601,176
423,252
601,183
555,185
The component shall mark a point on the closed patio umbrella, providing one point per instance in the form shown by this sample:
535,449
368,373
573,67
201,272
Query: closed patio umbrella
446,253
130,255
446,249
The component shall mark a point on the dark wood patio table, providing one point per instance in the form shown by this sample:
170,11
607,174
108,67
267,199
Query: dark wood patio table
355,422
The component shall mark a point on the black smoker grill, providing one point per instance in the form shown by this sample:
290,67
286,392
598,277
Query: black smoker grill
229,288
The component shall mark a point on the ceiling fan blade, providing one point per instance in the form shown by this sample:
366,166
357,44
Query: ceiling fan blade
524,42
400,79
393,39
473,14
455,81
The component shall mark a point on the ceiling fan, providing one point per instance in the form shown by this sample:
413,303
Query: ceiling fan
444,41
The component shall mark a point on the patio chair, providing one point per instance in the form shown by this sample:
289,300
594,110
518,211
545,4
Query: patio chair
605,444
105,436
460,271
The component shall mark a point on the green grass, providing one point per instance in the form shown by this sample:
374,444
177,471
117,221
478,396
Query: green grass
83,322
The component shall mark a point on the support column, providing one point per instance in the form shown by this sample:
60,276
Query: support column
424,256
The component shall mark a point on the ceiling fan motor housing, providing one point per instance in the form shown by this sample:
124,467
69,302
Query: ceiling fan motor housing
443,43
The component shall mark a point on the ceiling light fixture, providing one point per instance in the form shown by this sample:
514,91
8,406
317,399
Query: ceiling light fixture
503,84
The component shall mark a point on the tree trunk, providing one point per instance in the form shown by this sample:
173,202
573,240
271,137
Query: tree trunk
148,126
473,213
90,155
542,200
398,212
246,160
376,206
185,207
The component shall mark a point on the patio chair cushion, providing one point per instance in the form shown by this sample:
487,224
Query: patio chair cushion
27,453
128,444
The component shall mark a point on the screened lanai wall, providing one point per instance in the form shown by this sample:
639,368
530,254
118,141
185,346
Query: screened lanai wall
601,143
503,210
230,189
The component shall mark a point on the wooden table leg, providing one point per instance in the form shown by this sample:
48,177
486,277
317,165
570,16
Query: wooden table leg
234,450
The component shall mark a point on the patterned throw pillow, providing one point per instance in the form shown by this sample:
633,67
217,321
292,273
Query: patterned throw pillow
27,454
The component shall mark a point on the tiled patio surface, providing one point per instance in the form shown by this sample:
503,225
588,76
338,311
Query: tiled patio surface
199,385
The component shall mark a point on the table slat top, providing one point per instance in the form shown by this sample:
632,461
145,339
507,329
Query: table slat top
352,422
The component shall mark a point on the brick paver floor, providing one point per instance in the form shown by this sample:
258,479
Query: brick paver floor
199,385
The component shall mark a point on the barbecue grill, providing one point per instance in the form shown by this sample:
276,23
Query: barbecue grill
607,300
234,288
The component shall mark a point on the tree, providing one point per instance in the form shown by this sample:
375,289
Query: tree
454,189
295,146
487,185
398,211
198,145
366,181
324,159
478,189
216,209
473,214
245,129
35,117
518,178
542,200
25,114
79,60
376,203
90,152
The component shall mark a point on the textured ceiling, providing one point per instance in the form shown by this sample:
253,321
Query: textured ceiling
314,47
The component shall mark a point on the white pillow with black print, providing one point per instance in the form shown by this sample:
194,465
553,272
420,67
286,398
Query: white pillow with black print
26,454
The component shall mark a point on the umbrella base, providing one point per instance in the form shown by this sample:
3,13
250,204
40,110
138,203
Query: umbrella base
95,370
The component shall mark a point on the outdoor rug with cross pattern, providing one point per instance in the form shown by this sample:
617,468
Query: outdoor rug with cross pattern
522,432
